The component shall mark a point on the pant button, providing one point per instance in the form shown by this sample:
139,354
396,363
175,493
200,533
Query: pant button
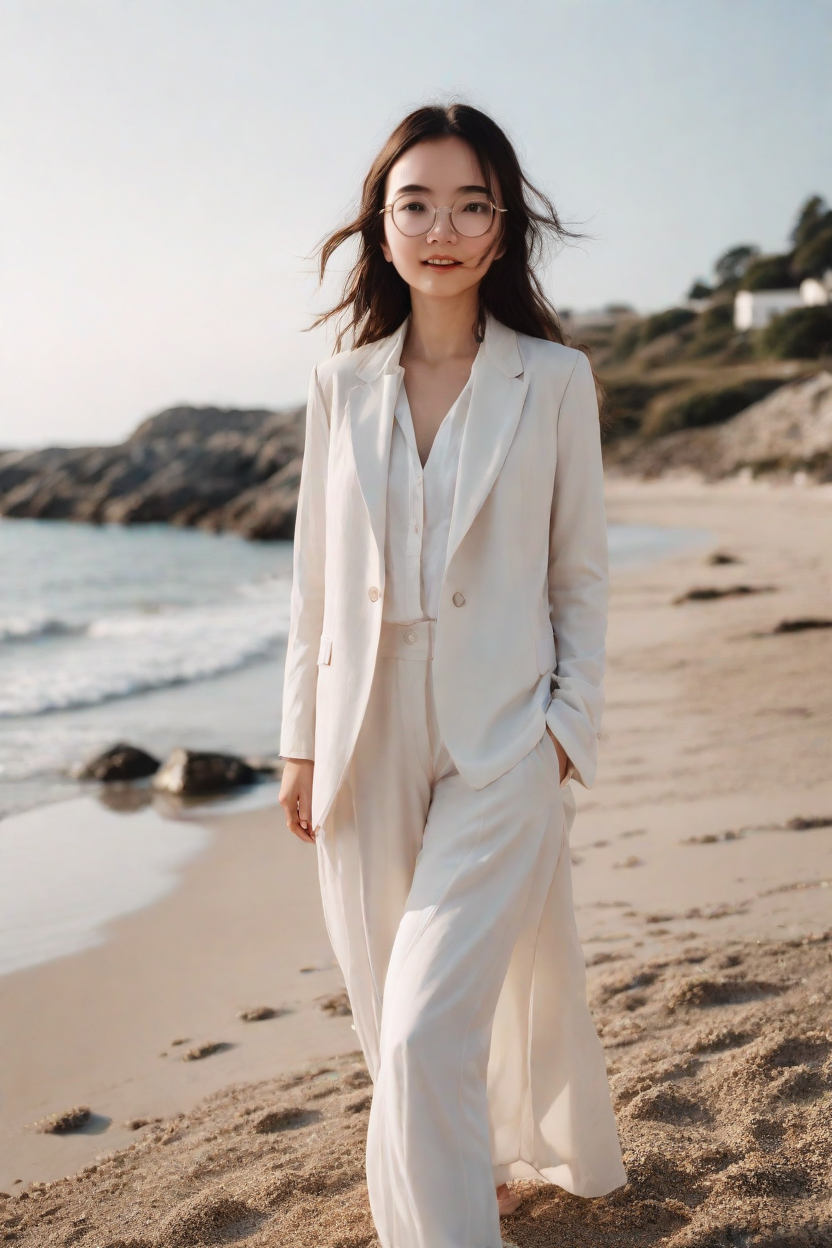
373,593
458,599
411,637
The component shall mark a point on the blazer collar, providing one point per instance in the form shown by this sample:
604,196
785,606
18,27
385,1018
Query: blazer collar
497,398
499,344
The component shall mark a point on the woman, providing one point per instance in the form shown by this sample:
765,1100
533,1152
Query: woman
444,683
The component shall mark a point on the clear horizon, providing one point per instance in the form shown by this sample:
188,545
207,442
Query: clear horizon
168,167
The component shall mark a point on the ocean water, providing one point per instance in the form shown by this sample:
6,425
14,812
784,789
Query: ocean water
155,635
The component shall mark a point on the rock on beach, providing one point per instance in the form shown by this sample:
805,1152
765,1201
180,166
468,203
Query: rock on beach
190,772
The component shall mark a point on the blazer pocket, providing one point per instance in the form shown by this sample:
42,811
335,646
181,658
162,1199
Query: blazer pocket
546,654
325,650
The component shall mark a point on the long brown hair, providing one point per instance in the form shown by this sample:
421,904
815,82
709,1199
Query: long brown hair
376,299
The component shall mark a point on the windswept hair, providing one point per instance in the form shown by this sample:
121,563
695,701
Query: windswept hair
376,299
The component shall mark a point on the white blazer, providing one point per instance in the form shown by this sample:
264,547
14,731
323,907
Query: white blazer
524,594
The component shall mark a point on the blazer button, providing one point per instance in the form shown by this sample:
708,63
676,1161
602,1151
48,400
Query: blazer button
373,592
458,599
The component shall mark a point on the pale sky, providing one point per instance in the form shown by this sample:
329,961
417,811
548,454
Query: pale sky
167,165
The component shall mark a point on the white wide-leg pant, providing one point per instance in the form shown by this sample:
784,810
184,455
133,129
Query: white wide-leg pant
450,913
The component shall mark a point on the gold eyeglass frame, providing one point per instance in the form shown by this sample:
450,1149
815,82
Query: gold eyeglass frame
436,211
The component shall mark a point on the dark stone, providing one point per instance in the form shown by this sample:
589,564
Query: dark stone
120,762
802,625
189,772
709,593
720,557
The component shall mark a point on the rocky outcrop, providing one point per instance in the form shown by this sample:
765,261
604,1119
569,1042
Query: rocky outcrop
218,468
789,431
232,469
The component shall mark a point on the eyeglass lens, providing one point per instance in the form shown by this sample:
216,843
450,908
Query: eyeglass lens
471,215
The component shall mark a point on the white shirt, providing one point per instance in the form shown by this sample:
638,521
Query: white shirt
419,505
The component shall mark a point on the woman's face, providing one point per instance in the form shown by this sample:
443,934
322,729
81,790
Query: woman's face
442,262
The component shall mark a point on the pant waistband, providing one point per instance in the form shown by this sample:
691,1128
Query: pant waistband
407,641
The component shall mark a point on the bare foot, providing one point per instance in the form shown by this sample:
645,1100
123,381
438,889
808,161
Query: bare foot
507,1202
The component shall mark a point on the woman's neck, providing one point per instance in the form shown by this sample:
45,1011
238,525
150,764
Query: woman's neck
442,329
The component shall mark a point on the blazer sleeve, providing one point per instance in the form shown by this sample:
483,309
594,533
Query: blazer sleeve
578,576
300,681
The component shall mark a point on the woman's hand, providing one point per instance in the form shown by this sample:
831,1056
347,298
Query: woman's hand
563,758
296,797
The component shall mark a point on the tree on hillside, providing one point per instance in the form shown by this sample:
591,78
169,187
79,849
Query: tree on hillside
812,238
732,264
815,256
814,217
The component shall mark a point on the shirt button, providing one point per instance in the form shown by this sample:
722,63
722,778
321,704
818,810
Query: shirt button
458,599
418,480
373,593
410,637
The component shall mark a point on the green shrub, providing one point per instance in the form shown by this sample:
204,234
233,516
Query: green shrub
714,330
769,273
664,323
625,403
717,316
625,341
708,407
802,334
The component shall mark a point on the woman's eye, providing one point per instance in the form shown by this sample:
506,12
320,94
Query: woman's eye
476,206
415,206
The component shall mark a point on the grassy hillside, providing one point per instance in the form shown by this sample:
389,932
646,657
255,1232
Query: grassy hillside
687,367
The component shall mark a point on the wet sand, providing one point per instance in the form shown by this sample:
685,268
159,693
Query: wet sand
702,876
243,929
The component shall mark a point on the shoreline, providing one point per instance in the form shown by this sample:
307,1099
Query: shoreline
235,710
716,738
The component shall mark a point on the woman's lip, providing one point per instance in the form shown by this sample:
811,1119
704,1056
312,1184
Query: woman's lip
449,261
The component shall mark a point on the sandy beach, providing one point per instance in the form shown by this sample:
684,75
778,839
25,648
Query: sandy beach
702,869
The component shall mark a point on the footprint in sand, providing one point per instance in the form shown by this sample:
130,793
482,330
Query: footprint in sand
339,1004
259,1013
199,1051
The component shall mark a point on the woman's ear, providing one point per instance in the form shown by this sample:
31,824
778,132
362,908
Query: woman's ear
385,251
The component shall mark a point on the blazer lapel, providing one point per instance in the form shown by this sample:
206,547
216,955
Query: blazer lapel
497,398
370,411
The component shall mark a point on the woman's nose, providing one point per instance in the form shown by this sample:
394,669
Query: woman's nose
442,227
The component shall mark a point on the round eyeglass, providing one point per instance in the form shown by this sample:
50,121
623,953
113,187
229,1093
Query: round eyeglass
471,215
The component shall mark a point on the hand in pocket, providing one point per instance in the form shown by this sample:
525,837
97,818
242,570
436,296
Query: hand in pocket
563,760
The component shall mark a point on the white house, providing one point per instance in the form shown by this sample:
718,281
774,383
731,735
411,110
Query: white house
817,290
753,309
